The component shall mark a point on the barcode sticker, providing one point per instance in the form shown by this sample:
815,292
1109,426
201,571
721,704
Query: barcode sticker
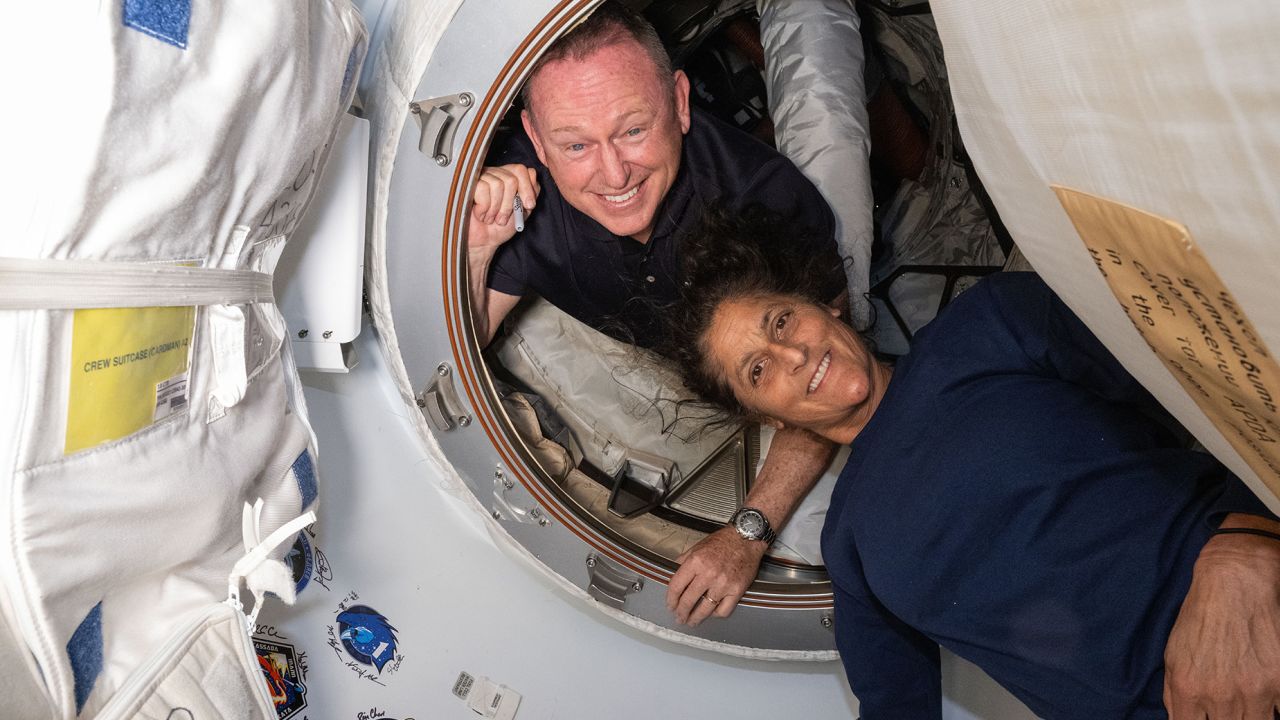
171,397
486,698
462,687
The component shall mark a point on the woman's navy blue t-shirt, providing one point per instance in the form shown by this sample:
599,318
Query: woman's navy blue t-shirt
1021,500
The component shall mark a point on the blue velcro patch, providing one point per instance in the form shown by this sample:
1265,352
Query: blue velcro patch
85,651
305,473
165,20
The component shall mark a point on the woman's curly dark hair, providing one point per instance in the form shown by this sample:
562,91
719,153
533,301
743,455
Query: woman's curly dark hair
735,254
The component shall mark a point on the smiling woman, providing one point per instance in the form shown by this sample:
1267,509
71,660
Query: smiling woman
962,518
794,363
747,319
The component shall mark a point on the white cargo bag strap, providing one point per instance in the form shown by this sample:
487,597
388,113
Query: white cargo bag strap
46,284
49,284
257,570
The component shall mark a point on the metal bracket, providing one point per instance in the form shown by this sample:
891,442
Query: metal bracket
440,403
609,583
641,485
504,509
438,120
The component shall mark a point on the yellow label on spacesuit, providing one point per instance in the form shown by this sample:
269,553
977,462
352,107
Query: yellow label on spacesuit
129,369
1190,320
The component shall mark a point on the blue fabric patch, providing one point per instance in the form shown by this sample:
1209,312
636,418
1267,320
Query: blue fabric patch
85,651
165,20
349,74
305,473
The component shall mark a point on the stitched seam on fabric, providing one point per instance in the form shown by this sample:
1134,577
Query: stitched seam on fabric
156,34
54,680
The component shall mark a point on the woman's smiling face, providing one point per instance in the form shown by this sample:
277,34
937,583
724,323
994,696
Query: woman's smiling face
793,362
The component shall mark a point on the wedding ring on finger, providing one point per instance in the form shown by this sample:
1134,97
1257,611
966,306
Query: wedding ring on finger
709,599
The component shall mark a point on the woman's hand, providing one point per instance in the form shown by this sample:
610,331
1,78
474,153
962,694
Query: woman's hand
713,576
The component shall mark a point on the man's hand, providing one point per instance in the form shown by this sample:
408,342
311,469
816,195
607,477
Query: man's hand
1223,655
713,576
493,202
492,205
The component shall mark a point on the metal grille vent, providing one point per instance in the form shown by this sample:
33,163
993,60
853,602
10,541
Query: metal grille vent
717,488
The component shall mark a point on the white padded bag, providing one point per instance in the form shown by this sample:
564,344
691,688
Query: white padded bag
157,155
1159,121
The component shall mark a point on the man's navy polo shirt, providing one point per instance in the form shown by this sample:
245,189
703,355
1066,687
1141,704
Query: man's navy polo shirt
616,284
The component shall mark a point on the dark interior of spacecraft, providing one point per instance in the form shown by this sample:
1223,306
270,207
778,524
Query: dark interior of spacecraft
617,449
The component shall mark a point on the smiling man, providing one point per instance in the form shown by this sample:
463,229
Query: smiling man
614,168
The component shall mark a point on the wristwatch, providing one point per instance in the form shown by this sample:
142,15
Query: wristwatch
751,524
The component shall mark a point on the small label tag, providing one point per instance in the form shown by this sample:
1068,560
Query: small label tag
171,397
123,360
462,687
487,698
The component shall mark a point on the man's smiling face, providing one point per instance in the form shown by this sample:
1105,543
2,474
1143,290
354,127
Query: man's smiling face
610,129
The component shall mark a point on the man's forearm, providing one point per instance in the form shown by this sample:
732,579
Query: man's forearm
478,261
796,460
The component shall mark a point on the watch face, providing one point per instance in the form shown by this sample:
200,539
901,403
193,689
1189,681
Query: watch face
751,524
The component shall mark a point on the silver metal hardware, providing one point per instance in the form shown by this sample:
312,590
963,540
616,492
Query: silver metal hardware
641,485
302,333
828,622
536,514
438,120
440,403
327,334
609,583
507,500
432,404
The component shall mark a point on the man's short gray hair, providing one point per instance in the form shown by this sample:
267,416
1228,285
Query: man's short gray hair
611,22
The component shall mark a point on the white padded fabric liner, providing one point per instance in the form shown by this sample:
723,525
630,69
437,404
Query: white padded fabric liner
130,149
817,100
631,393
1170,107
23,697
205,670
397,66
